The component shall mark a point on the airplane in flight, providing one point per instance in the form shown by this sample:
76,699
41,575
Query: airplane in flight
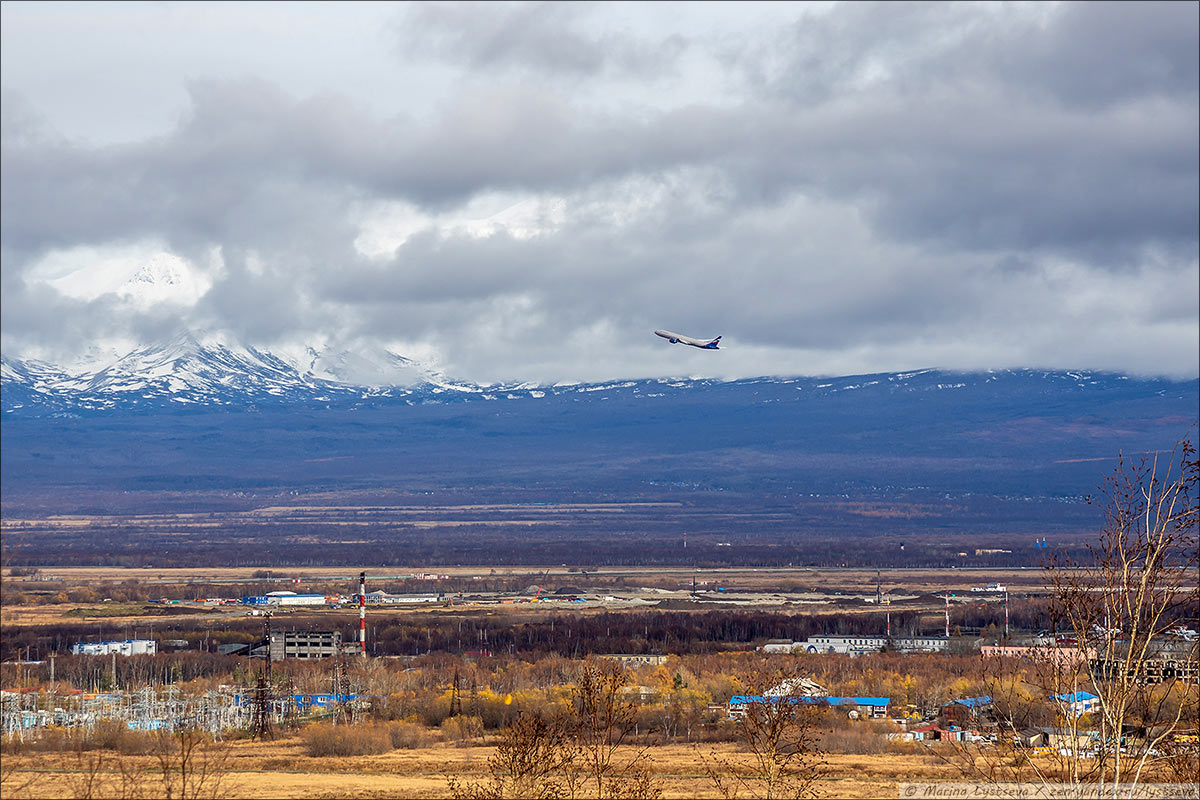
678,338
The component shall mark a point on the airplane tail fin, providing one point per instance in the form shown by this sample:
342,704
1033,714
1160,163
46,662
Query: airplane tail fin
713,344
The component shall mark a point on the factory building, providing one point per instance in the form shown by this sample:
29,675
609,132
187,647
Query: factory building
128,647
305,644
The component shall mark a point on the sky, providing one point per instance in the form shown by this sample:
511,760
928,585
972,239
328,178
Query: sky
527,191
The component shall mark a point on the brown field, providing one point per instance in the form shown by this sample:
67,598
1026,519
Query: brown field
283,769
740,577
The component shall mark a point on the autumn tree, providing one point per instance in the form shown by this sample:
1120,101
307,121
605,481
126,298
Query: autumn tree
602,724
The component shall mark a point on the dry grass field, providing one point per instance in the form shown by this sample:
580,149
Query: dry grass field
283,769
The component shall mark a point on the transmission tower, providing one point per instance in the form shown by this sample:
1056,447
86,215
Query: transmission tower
455,696
262,699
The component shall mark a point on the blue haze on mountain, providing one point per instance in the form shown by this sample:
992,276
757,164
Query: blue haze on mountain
1034,442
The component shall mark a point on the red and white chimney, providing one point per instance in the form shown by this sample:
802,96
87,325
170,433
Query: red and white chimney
362,611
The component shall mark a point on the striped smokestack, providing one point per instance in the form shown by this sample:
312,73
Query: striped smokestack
362,611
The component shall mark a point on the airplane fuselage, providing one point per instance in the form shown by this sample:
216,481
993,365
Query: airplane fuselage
679,338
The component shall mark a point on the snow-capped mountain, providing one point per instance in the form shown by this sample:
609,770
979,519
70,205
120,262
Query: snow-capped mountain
210,369
213,370
142,279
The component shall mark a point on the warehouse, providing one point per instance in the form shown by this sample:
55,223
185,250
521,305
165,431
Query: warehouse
128,647
293,599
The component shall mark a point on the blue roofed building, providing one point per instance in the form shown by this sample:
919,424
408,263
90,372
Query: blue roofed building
867,707
1076,704
967,711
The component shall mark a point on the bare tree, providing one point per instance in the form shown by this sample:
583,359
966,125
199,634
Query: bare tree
585,753
780,734
1121,682
193,766
533,760
1122,607
601,725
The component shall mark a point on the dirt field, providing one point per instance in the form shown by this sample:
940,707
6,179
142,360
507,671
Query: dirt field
282,769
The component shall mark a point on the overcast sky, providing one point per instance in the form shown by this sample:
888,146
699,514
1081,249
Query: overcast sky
527,191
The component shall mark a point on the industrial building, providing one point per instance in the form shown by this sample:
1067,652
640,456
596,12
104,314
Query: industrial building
128,647
857,645
286,599
383,598
293,599
305,644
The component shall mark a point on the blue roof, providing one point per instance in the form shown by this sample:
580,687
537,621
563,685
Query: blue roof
877,702
974,702
1076,697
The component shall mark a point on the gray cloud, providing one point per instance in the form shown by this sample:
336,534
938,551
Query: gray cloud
890,186
544,38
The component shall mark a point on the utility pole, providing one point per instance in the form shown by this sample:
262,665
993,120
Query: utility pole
362,612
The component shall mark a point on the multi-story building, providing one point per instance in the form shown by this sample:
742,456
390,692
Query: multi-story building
635,658
305,644
858,644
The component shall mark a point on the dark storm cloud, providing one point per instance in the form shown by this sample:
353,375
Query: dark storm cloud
990,129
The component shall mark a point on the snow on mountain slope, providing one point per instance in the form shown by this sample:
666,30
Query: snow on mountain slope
215,370
189,370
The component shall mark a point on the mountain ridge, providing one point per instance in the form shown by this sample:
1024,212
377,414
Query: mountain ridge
161,376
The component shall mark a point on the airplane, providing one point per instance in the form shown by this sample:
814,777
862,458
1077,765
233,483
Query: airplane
677,338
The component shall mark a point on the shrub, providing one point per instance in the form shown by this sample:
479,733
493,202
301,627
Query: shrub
107,735
409,735
858,740
323,739
115,735
462,729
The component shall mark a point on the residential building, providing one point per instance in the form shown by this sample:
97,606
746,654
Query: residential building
857,645
967,711
869,707
1049,654
1076,704
635,658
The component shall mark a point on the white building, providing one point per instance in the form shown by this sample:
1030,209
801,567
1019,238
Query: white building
293,599
383,598
856,645
129,647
